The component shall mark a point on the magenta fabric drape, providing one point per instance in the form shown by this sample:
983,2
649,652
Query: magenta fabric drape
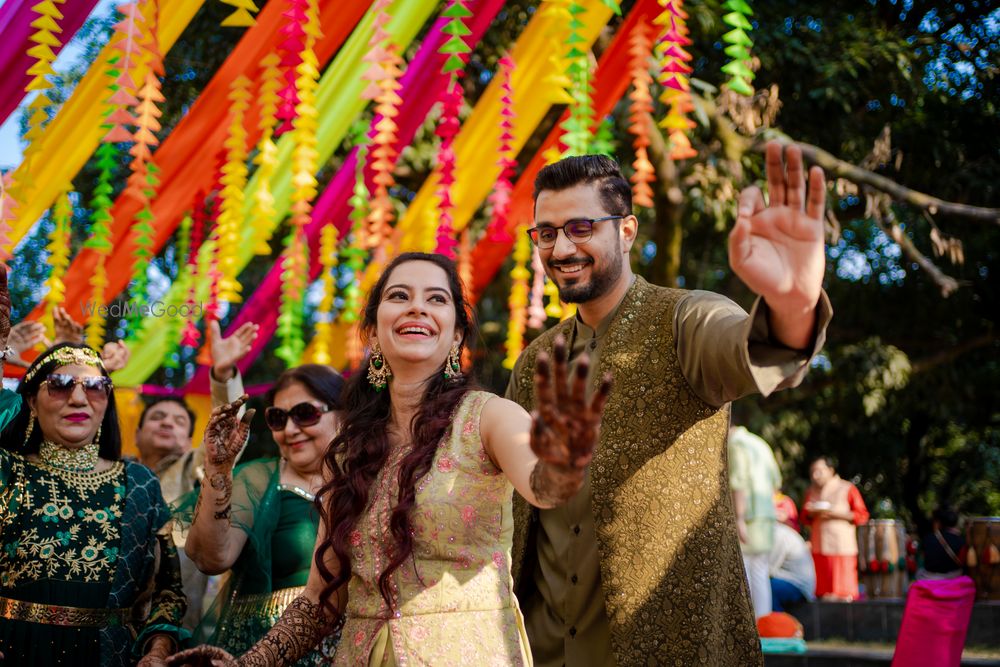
15,30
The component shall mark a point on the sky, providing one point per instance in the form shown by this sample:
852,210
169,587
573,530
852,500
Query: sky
10,145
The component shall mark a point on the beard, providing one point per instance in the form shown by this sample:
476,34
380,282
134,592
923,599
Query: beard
600,283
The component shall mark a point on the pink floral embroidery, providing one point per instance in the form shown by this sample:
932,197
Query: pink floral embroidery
445,464
356,538
359,638
498,560
468,515
419,633
469,427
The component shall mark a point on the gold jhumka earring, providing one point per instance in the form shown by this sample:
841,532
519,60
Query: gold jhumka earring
378,370
453,366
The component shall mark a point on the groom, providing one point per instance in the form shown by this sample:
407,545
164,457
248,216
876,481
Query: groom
643,565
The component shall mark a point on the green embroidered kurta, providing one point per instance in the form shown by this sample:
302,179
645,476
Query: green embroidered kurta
85,540
653,531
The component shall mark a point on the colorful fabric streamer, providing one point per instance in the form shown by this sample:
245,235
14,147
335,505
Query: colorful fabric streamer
610,83
740,74
640,51
70,138
190,154
517,302
17,25
478,141
422,84
674,71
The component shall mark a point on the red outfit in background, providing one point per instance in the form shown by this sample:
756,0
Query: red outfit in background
835,541
786,511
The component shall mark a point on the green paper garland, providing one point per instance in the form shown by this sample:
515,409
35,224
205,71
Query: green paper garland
740,74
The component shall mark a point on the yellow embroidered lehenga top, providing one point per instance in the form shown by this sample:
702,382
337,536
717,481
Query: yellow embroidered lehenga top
453,600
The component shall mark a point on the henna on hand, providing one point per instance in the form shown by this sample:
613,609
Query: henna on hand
5,307
226,433
298,631
565,426
223,483
203,655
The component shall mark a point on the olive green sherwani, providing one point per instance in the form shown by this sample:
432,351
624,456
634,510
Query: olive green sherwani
643,565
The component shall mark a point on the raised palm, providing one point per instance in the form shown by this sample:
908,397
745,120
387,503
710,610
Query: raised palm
777,248
226,432
566,423
67,330
227,351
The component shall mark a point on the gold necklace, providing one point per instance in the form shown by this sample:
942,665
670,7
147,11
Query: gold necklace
82,459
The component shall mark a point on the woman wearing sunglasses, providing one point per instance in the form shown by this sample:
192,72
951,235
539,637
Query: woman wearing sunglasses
415,543
260,521
87,575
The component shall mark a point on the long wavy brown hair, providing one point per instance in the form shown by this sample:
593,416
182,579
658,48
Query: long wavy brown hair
361,448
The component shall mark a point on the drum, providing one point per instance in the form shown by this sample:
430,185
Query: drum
982,556
882,558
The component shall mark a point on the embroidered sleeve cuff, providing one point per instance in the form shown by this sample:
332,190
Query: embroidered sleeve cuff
774,366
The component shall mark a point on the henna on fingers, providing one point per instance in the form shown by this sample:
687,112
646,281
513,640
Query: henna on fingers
226,433
565,426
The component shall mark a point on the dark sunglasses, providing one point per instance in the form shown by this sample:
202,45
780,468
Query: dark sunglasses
303,414
61,385
577,230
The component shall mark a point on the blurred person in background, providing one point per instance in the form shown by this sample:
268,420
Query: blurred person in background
754,478
832,508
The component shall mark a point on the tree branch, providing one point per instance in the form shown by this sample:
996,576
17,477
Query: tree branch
835,166
945,283
734,142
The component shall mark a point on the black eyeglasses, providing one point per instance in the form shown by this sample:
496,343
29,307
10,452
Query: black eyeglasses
61,385
578,230
302,414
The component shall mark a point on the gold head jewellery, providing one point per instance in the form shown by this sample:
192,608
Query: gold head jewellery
66,356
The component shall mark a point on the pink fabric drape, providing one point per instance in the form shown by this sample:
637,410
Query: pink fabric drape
935,621
15,29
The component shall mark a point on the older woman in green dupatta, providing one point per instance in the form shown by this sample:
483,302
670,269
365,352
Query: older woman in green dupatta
259,520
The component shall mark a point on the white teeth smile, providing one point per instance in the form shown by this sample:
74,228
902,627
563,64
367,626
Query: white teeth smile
570,268
415,330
